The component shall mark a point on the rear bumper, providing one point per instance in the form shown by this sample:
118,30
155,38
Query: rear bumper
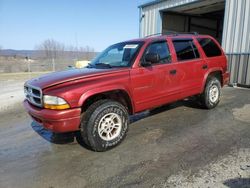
225,76
55,120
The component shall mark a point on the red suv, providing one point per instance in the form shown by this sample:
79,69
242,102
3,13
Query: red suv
127,78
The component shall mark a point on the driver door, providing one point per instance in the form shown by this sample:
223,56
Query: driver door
148,82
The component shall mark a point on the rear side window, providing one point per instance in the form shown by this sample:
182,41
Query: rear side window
209,47
185,50
161,48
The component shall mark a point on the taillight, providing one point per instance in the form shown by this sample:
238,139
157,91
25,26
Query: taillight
224,66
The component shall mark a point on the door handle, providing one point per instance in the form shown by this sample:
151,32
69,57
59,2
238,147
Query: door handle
173,71
204,66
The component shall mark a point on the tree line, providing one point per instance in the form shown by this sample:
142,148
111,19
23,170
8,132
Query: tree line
52,49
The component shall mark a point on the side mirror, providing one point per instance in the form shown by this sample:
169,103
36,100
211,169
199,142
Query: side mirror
145,63
152,58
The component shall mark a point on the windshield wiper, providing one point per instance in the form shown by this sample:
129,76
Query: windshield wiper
103,64
90,65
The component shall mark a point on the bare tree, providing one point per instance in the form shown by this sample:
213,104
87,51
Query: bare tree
87,52
81,53
73,52
51,49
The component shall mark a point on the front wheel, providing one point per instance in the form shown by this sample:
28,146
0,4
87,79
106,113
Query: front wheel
104,125
210,98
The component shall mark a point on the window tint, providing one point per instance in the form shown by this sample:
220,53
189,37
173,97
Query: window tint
209,47
161,48
185,49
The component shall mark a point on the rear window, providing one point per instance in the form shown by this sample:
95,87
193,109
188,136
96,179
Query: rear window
209,47
185,50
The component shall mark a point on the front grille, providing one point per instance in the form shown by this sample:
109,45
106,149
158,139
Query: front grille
33,95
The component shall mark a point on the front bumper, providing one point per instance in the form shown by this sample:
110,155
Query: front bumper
55,120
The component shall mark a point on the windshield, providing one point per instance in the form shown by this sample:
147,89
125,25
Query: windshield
117,55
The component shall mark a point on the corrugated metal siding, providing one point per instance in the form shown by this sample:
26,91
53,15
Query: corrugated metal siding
150,23
236,40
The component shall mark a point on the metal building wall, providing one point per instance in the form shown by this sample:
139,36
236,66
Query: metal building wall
150,17
236,40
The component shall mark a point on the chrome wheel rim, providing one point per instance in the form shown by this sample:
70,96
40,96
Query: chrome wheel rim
214,93
110,126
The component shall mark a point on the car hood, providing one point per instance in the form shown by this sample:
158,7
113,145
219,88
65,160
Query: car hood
60,77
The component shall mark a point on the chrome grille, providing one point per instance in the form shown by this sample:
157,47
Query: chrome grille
33,95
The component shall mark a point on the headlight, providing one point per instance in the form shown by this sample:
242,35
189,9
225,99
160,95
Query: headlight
55,103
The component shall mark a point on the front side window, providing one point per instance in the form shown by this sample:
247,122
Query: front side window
160,48
117,55
185,50
209,47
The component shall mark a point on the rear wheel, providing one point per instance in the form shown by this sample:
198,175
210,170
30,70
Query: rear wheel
210,98
104,125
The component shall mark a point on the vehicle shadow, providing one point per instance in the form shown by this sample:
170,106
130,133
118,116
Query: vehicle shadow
237,182
55,138
190,103
67,138
58,138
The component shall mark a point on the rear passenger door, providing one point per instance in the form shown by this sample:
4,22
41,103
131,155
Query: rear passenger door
189,65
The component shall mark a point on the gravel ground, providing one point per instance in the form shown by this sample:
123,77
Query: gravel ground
178,145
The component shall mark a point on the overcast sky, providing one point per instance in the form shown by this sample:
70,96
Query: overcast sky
97,23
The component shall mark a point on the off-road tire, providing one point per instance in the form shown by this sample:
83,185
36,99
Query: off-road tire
90,123
207,100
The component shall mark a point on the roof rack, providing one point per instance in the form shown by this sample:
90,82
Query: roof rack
188,33
173,33
156,34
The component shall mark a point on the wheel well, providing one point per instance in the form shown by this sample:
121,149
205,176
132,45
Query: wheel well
116,95
217,74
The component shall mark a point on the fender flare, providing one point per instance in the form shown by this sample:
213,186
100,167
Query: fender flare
103,89
216,69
